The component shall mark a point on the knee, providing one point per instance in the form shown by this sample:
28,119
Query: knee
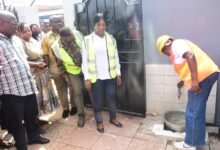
97,108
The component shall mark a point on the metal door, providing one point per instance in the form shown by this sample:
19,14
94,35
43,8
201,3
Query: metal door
124,18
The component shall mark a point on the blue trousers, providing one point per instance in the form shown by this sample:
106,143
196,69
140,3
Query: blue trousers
196,112
104,90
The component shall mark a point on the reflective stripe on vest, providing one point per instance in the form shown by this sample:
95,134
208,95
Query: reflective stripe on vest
111,51
205,65
79,38
67,60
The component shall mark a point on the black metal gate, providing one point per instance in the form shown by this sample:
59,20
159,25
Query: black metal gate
125,23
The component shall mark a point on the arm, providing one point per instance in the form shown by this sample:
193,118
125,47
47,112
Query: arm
45,49
118,66
84,61
85,66
191,60
39,65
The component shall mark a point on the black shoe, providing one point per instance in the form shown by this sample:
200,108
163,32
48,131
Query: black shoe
65,113
100,128
41,122
39,140
42,131
81,120
73,111
116,123
6,144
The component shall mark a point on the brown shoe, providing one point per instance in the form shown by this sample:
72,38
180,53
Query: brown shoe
116,123
100,128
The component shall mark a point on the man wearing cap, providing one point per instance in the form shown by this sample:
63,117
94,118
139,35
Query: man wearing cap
196,69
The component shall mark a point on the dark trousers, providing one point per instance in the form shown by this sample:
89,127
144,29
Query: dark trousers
104,90
19,108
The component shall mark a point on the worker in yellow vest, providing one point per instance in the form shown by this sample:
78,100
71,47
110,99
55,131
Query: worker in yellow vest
196,69
101,70
67,49
62,85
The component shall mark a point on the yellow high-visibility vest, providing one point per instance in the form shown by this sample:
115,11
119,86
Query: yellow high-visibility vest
64,56
111,52
67,60
205,65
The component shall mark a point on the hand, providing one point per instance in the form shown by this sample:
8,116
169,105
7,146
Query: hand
59,63
63,73
119,81
88,85
195,87
180,84
41,65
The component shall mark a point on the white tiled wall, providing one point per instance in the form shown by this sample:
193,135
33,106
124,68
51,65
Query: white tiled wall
162,93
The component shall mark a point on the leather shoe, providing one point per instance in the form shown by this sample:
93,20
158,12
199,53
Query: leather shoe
81,120
42,131
100,128
116,123
6,144
73,111
39,140
65,113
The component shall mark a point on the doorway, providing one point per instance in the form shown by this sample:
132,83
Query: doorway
124,19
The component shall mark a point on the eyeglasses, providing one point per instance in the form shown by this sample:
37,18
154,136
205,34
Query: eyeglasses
58,21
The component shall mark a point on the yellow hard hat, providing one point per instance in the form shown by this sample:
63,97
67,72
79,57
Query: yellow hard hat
161,41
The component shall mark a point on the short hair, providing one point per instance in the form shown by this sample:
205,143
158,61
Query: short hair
65,31
51,18
21,26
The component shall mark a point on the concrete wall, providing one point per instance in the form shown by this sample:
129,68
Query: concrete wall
198,21
162,93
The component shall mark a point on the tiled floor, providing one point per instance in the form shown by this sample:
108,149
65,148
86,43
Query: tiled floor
136,134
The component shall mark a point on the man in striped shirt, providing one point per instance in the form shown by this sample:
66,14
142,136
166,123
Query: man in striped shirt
17,87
